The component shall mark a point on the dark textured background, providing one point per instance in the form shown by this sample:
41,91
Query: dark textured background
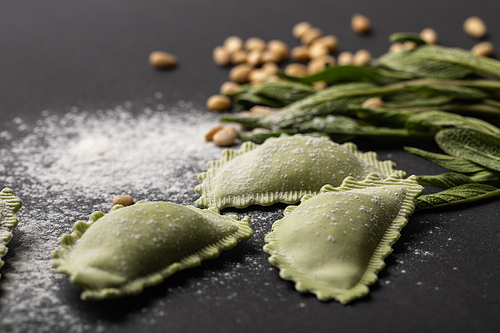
93,54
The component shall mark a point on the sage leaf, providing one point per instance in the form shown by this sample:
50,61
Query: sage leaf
448,162
461,194
412,99
284,92
434,121
335,74
457,92
261,136
472,145
383,117
344,125
487,177
248,99
429,61
445,180
401,37
333,100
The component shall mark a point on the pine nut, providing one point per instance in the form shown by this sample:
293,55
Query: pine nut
221,56
210,134
300,53
262,110
317,49
279,48
430,36
269,56
254,57
320,85
330,41
232,44
225,137
229,88
311,35
238,57
345,58
483,49
270,67
300,28
162,60
373,103
475,27
296,70
124,200
409,45
255,44
239,73
396,47
257,76
319,63
218,103
361,58
360,24
259,130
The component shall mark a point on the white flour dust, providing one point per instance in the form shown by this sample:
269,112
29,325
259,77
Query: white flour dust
64,168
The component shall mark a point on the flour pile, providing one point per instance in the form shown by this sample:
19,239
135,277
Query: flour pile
64,167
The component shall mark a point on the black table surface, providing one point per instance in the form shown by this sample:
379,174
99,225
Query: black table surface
93,54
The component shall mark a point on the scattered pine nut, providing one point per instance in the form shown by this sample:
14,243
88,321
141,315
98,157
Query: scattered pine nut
409,45
300,28
296,70
430,36
239,73
361,58
274,78
123,199
221,56
255,44
232,44
319,63
279,48
475,27
483,49
229,88
320,85
269,56
373,103
344,58
225,137
257,76
396,47
218,103
238,57
262,110
317,49
162,60
360,24
254,57
311,35
270,67
210,134
300,53
330,41
260,130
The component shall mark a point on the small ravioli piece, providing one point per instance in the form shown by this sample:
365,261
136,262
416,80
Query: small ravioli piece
9,205
283,169
138,246
334,244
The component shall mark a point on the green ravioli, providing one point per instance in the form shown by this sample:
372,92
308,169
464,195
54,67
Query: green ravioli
131,248
333,244
9,205
283,169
